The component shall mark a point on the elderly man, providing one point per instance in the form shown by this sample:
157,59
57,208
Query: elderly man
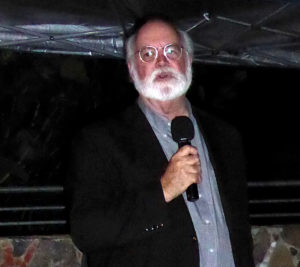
129,178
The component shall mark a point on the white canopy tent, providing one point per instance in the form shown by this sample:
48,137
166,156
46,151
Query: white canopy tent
233,32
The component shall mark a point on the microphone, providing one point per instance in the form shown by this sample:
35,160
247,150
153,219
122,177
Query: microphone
182,130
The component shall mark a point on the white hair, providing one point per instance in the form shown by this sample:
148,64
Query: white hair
185,40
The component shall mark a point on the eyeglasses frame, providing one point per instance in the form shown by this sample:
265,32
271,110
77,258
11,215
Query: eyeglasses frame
156,52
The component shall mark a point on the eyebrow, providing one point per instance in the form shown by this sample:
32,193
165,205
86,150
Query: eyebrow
175,43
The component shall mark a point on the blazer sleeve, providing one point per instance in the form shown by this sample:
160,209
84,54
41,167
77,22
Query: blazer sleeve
105,211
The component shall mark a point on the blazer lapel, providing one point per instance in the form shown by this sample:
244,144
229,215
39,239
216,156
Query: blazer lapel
148,152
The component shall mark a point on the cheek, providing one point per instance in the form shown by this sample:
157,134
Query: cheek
181,66
143,70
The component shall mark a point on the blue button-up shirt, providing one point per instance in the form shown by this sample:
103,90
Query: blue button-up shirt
206,213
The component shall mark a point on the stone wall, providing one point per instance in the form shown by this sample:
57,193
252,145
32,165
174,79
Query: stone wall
52,251
276,246
273,247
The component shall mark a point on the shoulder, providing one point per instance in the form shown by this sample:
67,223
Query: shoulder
115,127
213,124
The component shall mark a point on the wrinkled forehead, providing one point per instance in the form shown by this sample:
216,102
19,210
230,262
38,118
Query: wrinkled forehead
156,33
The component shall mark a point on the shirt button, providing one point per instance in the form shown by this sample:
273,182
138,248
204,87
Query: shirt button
200,195
211,250
169,123
165,135
207,221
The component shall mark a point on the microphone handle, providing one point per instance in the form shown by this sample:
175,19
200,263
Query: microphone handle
192,191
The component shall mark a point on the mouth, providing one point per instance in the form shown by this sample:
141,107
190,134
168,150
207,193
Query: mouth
164,76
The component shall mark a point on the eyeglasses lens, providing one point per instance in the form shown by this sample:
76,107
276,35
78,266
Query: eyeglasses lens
173,52
148,54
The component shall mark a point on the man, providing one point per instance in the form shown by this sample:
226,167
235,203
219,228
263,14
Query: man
129,206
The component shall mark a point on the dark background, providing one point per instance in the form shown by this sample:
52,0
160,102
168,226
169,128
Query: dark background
46,99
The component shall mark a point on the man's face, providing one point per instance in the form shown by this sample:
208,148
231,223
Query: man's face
162,79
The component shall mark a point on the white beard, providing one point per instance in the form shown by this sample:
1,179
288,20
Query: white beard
163,90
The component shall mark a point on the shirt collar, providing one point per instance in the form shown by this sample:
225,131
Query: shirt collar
156,120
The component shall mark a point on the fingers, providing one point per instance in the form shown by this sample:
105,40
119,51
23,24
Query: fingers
194,170
187,150
183,170
187,155
192,160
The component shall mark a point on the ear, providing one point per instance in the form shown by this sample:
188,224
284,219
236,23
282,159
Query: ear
129,65
189,57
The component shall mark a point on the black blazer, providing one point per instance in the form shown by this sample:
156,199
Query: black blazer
118,215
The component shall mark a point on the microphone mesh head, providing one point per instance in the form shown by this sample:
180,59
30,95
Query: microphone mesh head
182,128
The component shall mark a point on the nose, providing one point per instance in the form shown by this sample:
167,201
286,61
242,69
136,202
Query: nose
161,59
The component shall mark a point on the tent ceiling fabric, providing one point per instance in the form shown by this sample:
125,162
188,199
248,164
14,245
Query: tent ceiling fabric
233,32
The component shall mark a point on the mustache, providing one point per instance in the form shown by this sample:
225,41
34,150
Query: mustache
165,70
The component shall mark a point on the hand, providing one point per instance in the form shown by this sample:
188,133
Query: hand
183,170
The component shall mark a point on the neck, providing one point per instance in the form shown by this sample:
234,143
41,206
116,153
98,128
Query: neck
168,109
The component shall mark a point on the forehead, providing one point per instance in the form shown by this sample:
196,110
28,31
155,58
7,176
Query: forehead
156,33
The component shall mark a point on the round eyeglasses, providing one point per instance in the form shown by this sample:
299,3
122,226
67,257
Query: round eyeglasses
149,54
